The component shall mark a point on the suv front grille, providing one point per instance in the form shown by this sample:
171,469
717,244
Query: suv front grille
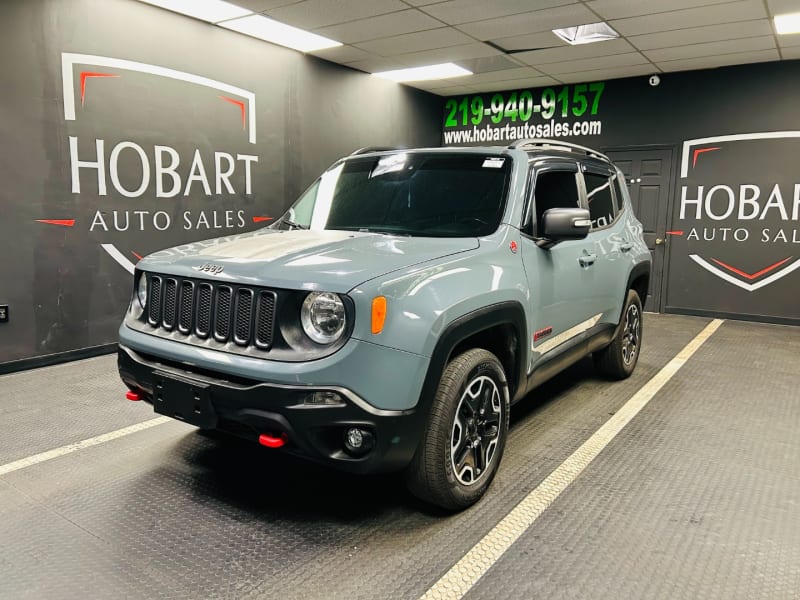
239,314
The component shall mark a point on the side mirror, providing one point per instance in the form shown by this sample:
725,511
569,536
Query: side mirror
560,224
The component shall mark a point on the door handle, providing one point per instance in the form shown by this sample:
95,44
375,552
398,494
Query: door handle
626,247
659,241
587,260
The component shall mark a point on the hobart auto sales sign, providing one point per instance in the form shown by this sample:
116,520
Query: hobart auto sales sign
157,157
735,236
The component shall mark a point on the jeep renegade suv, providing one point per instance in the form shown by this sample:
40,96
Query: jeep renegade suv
393,315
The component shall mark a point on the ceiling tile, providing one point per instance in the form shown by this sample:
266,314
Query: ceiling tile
698,35
591,64
517,84
564,53
313,14
709,62
488,64
788,41
451,54
342,54
422,2
531,22
530,41
465,11
780,7
406,21
416,42
791,53
604,74
619,9
262,5
375,64
505,75
707,15
712,49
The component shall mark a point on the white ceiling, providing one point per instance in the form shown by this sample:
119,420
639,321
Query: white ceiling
509,43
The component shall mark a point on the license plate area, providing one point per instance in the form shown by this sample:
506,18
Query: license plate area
183,399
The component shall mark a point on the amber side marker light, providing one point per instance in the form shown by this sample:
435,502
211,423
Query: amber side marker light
378,314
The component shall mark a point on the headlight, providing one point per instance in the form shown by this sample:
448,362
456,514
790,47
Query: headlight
322,316
141,289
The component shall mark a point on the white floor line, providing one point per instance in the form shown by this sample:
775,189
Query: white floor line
457,581
88,443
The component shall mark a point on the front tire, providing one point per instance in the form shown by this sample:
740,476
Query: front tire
466,434
619,358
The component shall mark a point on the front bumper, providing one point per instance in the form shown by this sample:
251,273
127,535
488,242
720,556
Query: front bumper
248,408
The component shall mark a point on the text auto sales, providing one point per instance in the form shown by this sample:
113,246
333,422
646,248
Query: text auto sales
168,184
748,202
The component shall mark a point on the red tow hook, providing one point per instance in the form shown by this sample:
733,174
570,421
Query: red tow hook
271,441
131,395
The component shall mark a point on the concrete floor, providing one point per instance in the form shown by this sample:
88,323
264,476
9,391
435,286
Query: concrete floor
697,497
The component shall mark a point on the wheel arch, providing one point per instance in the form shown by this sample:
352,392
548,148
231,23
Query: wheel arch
499,328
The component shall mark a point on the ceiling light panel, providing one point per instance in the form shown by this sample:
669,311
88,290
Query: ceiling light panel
587,34
266,29
787,24
430,72
206,10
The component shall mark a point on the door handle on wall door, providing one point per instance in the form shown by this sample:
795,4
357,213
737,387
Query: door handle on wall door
659,241
587,260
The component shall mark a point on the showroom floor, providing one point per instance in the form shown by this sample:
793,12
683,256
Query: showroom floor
697,497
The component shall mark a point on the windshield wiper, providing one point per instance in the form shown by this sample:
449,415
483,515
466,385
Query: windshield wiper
292,224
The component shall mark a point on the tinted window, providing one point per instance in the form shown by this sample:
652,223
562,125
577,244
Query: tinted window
618,190
554,189
438,195
601,201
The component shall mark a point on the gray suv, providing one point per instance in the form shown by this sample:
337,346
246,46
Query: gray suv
391,317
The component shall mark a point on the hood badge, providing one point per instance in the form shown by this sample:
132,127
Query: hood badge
209,268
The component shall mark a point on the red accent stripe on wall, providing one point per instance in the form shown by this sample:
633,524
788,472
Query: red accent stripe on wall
238,103
749,276
261,219
85,75
62,222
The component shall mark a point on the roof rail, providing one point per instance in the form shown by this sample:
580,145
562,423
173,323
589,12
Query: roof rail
556,144
368,149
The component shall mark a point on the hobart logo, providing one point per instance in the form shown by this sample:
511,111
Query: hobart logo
739,211
191,169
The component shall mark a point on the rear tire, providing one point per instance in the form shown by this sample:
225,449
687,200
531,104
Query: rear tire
466,434
619,358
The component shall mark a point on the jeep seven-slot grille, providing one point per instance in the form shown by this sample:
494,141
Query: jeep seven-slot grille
238,314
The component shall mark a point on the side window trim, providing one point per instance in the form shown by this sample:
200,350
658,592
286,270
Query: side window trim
527,225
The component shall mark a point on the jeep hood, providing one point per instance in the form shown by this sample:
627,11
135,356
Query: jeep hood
334,261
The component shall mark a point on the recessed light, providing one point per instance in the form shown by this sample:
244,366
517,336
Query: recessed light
273,31
207,10
586,34
442,71
785,24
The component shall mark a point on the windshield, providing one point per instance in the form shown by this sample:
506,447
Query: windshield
418,194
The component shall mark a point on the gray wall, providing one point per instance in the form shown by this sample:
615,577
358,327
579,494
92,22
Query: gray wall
67,292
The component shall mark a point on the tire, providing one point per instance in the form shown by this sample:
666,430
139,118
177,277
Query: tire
619,358
462,447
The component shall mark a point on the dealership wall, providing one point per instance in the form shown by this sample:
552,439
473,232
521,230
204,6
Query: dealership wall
732,224
89,144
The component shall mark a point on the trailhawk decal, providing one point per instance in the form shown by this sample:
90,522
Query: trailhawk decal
188,174
739,208
554,342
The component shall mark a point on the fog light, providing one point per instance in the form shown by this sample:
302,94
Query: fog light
358,441
325,398
355,438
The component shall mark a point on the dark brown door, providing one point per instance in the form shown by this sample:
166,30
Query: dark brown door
648,175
